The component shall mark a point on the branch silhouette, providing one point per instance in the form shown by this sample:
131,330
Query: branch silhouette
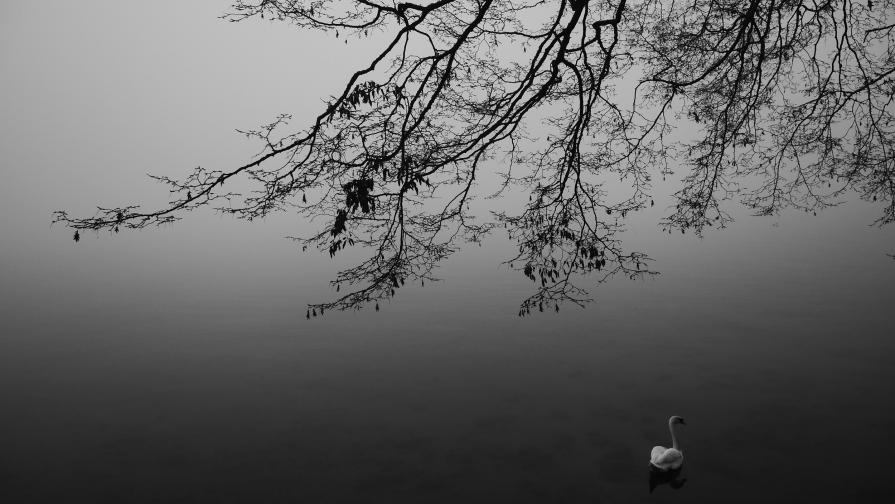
787,104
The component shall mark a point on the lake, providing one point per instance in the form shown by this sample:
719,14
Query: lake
176,365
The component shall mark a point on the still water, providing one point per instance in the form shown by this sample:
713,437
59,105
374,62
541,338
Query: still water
153,368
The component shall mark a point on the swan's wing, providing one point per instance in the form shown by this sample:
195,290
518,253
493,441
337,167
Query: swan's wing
670,458
656,454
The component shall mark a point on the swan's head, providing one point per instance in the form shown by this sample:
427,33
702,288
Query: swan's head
676,419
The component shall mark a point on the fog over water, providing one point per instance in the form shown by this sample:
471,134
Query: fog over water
176,364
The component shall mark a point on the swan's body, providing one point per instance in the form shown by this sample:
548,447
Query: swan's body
668,459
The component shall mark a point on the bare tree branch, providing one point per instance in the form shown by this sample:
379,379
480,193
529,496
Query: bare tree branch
790,103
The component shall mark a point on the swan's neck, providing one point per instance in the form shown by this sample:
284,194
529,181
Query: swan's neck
673,437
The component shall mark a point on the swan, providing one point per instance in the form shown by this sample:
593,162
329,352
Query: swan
665,459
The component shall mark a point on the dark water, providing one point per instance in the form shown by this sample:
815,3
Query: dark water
179,372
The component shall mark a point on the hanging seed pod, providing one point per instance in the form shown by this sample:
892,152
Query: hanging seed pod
77,237
304,199
377,306
314,312
308,315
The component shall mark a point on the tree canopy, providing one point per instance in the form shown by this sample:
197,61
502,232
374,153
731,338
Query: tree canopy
775,103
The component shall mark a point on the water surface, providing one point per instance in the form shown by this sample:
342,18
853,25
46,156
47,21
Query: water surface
132,379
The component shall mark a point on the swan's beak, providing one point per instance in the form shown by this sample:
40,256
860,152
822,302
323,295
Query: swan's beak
683,422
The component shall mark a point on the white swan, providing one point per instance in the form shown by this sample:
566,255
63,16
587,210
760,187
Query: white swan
665,459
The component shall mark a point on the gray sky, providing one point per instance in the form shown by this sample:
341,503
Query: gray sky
96,94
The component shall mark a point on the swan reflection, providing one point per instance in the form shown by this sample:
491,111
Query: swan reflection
671,478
